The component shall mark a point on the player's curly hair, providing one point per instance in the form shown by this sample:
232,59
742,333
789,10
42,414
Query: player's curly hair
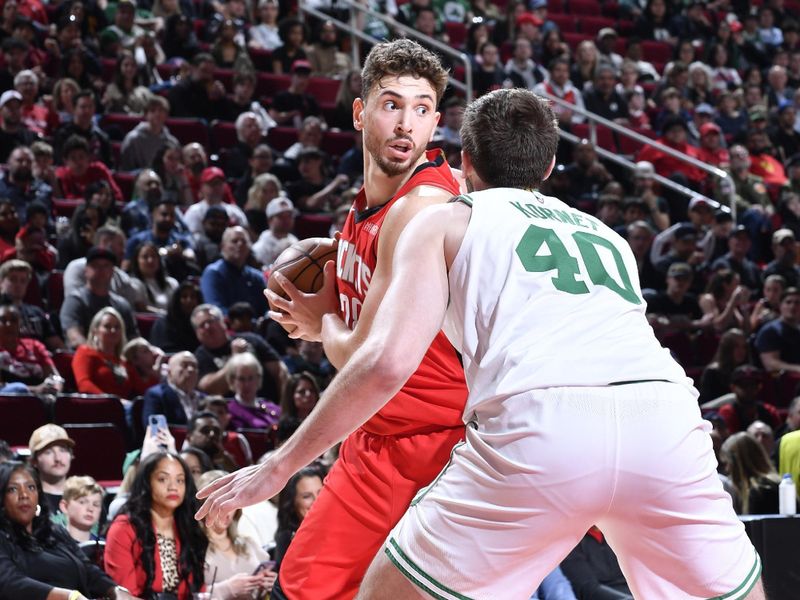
402,57
511,137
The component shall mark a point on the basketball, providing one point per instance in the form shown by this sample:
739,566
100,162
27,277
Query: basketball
303,264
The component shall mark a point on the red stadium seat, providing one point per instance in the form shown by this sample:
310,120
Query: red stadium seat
223,135
89,408
270,84
573,39
125,182
605,138
654,52
166,70
137,428
261,441
107,67
306,226
189,130
99,450
262,59
555,6
565,23
119,121
144,321
281,138
179,433
628,145
63,362
225,76
337,143
457,34
584,7
65,207
324,89
592,25
20,414
239,448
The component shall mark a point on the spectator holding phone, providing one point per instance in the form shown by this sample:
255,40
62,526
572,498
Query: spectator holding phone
241,566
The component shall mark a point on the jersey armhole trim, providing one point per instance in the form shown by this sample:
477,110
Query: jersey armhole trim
463,198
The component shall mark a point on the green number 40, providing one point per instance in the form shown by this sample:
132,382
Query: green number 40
566,266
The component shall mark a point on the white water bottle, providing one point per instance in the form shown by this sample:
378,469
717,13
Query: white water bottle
787,496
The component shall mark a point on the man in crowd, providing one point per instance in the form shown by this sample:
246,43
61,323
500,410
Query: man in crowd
80,170
82,305
676,309
143,142
603,99
249,135
278,236
15,275
784,248
20,186
199,95
83,125
747,383
207,243
324,55
13,132
212,193
164,234
51,453
289,107
178,397
205,432
736,259
778,342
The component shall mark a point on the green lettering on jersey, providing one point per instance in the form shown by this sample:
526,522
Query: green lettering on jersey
566,266
523,210
558,260
564,217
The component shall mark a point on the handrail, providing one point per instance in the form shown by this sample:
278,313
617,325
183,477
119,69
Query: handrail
392,24
594,119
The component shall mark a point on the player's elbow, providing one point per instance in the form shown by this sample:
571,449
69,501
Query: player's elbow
391,368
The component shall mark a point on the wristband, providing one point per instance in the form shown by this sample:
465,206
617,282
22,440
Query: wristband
74,595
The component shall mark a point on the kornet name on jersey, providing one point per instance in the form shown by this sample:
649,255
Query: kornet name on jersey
435,394
543,295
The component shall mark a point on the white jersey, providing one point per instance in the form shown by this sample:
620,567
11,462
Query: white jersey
543,295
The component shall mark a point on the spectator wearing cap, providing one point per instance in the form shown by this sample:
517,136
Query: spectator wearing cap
559,85
82,305
83,125
125,27
290,106
196,161
603,99
778,342
606,42
249,135
79,170
278,237
13,131
736,260
314,191
15,276
674,135
143,142
199,95
715,244
18,183
711,150
51,451
657,209
212,193
784,137
675,309
31,245
586,175
703,113
747,384
784,248
230,279
683,248
207,242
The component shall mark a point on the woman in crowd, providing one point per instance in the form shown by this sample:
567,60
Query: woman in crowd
85,221
582,70
554,47
723,76
699,84
180,40
80,65
300,396
654,23
726,301
244,375
349,90
168,165
25,364
238,562
197,461
62,104
225,50
752,474
264,36
99,366
99,194
731,352
294,503
37,558
126,94
293,35
154,545
152,285
174,332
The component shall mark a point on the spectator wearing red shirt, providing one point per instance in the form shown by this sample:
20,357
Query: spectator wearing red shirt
674,133
79,171
34,115
31,246
23,360
98,365
711,150
746,384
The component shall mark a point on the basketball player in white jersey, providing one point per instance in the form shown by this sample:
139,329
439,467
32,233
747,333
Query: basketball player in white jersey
576,416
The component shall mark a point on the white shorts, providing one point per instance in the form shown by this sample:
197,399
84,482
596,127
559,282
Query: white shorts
526,485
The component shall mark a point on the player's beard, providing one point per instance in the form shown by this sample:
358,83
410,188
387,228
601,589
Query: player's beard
390,168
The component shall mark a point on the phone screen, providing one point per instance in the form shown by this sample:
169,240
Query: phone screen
157,423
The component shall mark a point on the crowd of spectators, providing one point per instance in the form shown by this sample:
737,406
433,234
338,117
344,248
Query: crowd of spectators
158,156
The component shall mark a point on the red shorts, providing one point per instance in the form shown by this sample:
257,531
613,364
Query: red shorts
366,492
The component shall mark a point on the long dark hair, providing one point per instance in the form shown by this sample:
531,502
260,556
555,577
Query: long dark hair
193,540
161,274
288,408
288,519
174,312
42,535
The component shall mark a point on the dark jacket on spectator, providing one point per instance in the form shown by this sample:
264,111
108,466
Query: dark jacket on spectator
593,570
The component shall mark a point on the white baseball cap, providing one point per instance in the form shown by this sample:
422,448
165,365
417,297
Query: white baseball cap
278,205
8,96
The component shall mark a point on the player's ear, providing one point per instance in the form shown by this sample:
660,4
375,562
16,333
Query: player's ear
550,168
358,114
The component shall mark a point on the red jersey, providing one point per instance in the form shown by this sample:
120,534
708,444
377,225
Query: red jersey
435,394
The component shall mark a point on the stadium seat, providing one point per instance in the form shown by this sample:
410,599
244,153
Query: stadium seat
656,52
584,7
63,362
89,408
65,207
262,59
566,23
99,450
179,433
281,138
306,226
144,321
337,143
189,130
592,25
555,6
137,427
457,34
119,121
270,84
20,414
324,89
223,135
125,182
261,441
225,76
573,39
166,70
238,447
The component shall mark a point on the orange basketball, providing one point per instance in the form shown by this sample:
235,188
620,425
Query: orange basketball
302,264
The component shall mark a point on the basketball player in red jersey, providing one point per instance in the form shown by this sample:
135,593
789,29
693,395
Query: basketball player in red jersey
383,464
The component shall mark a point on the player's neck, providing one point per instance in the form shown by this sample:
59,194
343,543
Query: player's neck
379,187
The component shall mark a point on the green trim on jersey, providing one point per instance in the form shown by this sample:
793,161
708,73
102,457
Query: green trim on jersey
417,576
465,198
744,588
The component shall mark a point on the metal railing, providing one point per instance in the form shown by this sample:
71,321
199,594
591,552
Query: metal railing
353,29
595,119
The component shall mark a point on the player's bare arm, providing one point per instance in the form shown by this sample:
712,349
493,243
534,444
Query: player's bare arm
377,370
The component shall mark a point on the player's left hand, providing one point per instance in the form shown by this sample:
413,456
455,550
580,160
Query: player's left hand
241,488
304,311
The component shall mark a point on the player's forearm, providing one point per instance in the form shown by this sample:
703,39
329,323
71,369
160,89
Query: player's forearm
338,340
